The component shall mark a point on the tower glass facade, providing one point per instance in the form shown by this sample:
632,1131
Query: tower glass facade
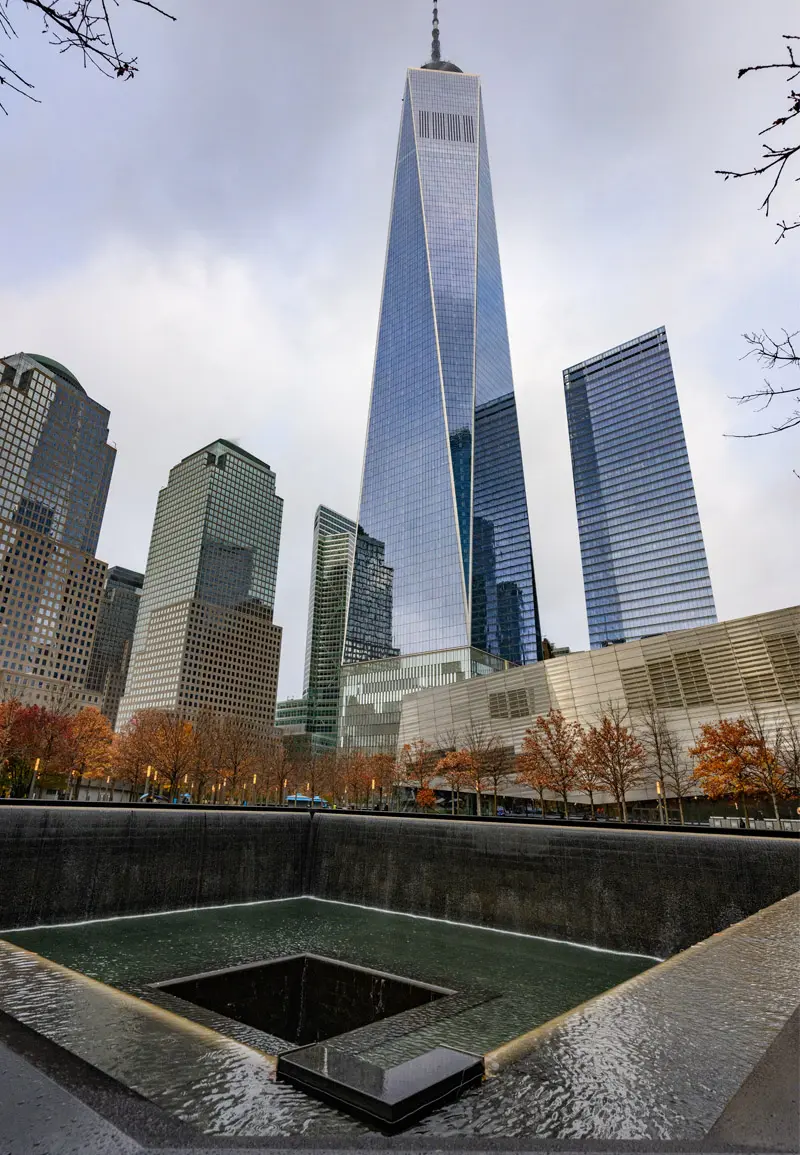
331,565
55,460
116,622
204,633
443,492
644,561
443,557
55,470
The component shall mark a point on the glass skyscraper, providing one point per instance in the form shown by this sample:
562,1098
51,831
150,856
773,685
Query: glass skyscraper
644,562
443,559
204,635
316,714
55,470
116,622
55,460
331,566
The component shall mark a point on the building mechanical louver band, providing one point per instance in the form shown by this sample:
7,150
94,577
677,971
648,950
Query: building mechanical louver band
443,555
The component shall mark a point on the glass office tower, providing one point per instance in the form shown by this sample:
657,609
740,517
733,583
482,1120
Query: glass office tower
116,623
204,635
443,557
55,470
331,565
55,460
644,562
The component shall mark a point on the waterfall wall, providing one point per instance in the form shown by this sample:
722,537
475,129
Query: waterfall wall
648,891
65,864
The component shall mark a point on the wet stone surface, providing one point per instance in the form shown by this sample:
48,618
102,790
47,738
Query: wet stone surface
657,1058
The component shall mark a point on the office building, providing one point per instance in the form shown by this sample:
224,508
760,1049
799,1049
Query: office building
443,562
331,566
644,561
116,622
316,714
55,470
204,634
729,669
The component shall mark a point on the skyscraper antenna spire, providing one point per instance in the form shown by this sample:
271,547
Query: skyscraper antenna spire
436,52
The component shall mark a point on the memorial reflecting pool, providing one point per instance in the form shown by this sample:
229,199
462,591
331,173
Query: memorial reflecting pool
210,1070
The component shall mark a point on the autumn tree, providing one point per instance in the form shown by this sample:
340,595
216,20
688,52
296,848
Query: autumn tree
205,750
491,761
532,767
559,742
274,766
356,776
306,769
328,770
383,773
42,733
426,798
89,743
418,763
239,743
723,757
10,762
456,768
587,779
134,750
616,755
171,748
81,26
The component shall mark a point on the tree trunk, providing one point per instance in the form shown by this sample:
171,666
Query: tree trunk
680,808
775,806
591,802
495,800
566,805
541,801
663,804
746,815
78,781
477,800
623,808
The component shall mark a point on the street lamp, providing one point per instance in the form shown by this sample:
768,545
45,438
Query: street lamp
33,777
662,804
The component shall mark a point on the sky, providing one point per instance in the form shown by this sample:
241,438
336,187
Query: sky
203,247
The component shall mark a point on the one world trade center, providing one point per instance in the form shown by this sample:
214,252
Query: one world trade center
442,585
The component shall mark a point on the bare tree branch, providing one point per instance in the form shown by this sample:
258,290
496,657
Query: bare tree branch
781,354
85,25
775,160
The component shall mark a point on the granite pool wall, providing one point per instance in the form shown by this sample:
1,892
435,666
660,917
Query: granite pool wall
649,891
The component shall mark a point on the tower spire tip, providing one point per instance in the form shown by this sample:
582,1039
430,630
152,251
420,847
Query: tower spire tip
436,52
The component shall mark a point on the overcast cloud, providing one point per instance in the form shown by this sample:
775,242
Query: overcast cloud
204,247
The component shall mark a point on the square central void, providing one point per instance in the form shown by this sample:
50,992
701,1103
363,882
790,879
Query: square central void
303,998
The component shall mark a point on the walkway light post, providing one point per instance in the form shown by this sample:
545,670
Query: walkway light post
33,777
